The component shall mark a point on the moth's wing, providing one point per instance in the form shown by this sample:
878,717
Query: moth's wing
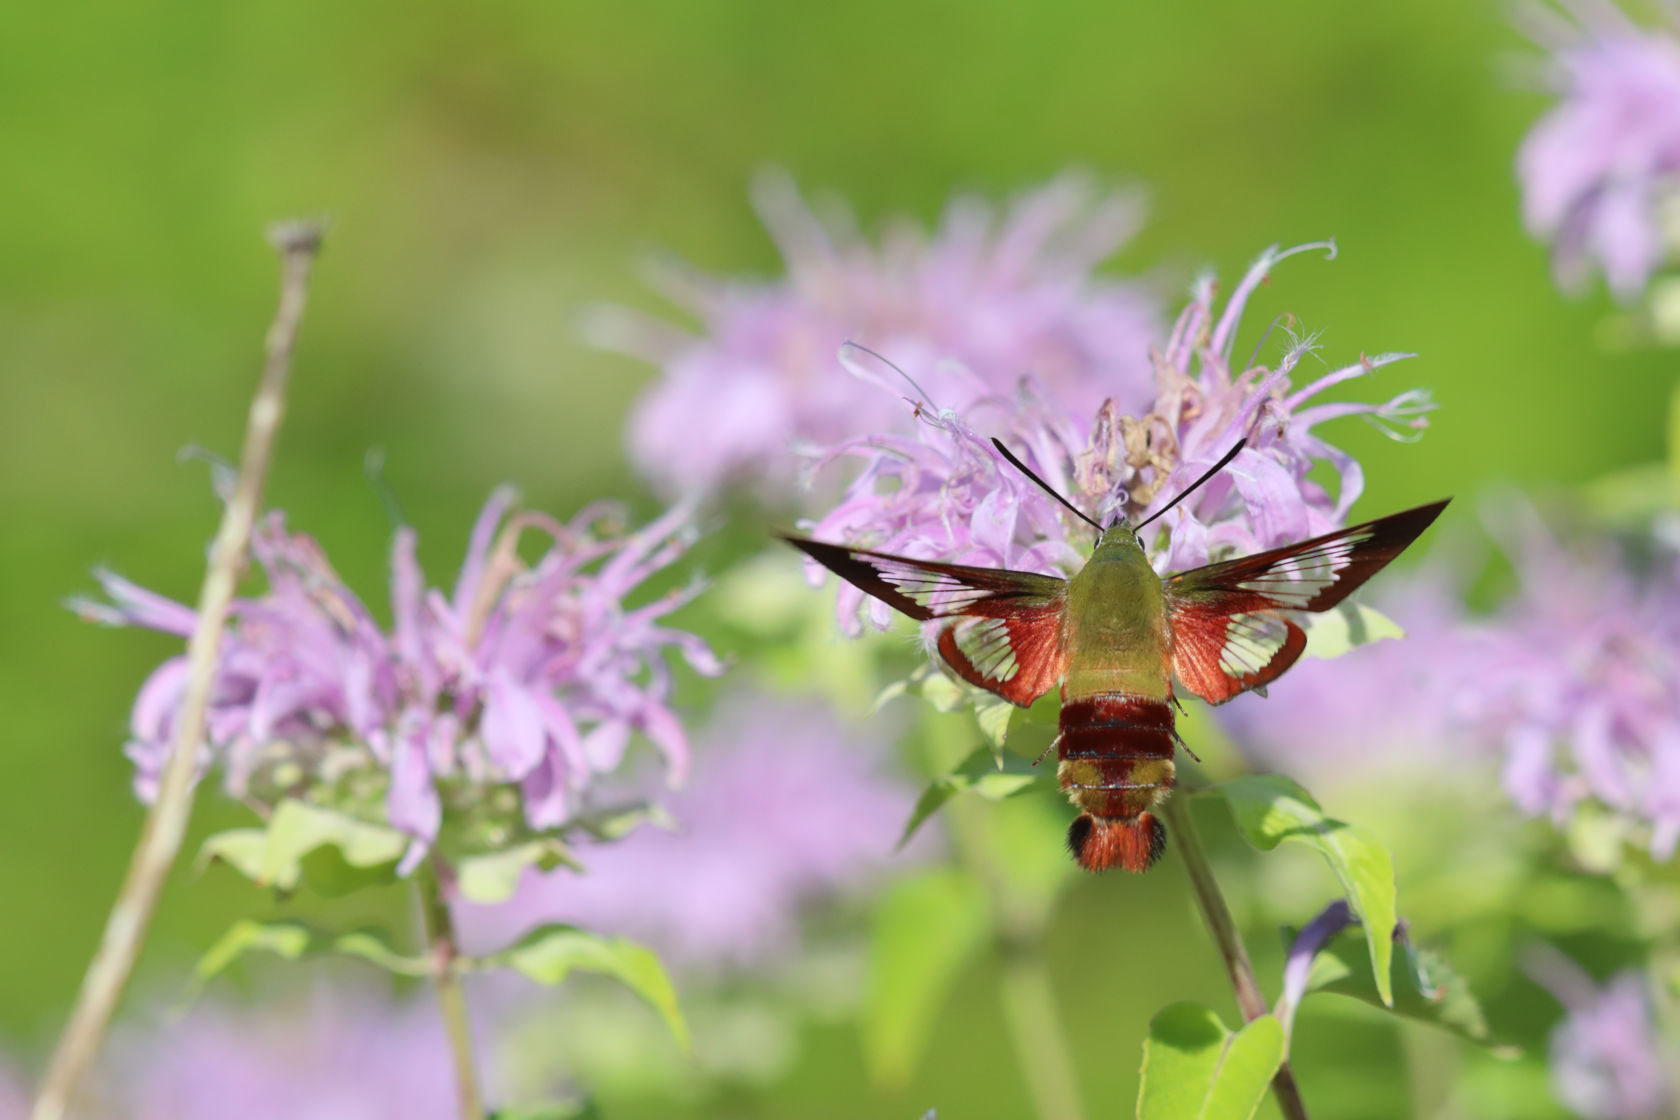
1229,630
1004,628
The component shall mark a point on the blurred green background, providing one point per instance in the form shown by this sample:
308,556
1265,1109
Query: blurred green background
490,169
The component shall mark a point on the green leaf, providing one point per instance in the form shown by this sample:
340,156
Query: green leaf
1632,496
1425,986
1347,627
288,850
494,876
1270,809
994,715
295,941
1194,1068
923,930
944,693
551,953
980,773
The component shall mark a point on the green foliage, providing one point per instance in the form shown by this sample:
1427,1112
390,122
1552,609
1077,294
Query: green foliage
551,953
494,876
1424,985
1674,444
336,852
981,773
925,927
1270,809
295,941
1195,1068
1346,628
580,1110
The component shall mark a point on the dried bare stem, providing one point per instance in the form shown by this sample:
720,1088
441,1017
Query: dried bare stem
166,821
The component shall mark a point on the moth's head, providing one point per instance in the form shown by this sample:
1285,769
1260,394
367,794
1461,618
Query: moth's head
1105,531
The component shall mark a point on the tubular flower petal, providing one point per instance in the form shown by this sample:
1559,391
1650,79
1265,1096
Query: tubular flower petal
984,299
943,492
1599,168
1580,684
501,683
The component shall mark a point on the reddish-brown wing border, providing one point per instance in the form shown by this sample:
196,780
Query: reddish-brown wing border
1029,604
1313,575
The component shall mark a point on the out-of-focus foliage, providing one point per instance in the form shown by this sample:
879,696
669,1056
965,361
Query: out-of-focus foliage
491,172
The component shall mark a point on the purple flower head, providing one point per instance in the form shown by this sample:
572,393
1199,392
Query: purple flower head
784,808
982,301
1598,169
1607,1059
532,677
1581,682
943,492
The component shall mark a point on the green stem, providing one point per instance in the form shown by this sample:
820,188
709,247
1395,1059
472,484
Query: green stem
445,952
1250,1000
1035,1028
1041,1045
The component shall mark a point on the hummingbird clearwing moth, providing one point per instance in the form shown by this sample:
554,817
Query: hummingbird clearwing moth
1116,637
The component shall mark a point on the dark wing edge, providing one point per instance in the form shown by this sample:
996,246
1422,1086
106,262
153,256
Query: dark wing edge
1004,632
1230,632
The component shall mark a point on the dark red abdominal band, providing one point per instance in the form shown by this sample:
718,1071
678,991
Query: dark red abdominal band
1111,733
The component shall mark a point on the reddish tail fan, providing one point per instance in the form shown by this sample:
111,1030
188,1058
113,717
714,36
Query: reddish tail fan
1228,633
1004,633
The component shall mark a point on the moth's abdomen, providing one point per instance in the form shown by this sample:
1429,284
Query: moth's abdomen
1115,762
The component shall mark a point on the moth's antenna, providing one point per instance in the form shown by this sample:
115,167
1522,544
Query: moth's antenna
1191,489
850,345
1024,469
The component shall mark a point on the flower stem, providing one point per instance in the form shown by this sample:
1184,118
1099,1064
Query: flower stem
1030,1013
1035,1027
445,953
166,821
1217,915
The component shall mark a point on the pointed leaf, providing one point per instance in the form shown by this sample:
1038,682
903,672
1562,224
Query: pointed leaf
979,773
1194,1068
1346,627
279,854
295,941
550,953
1270,809
994,716
945,693
1426,987
922,932
494,876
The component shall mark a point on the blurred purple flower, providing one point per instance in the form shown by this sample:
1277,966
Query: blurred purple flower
532,675
1597,169
944,493
14,1096
984,300
1580,682
1384,710
1607,1059
784,808
347,1056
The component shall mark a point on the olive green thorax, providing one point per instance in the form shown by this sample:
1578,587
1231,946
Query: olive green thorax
1115,632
